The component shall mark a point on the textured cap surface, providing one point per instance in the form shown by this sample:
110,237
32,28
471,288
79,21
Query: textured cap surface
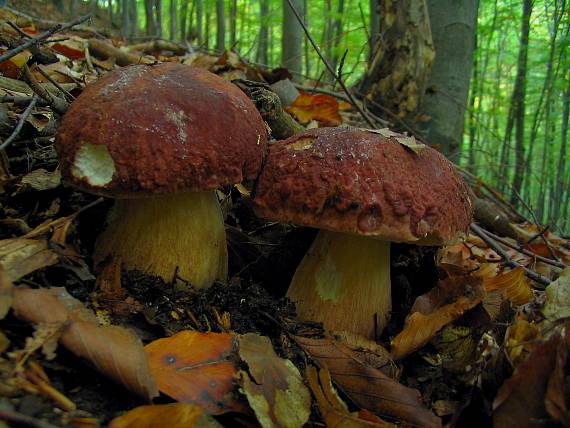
154,129
356,181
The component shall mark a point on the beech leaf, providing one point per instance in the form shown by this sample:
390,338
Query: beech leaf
274,387
320,107
366,386
557,304
514,283
179,415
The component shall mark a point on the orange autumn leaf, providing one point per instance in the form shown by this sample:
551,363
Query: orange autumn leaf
73,48
179,415
514,283
197,368
320,107
13,67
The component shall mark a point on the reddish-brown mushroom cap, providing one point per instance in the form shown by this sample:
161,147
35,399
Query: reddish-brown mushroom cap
156,129
355,181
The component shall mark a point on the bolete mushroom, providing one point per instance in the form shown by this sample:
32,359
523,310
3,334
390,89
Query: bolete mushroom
363,190
160,139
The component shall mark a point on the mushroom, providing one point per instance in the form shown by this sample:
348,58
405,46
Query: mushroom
160,139
363,191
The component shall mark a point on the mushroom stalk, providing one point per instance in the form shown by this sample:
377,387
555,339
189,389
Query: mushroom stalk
160,234
344,282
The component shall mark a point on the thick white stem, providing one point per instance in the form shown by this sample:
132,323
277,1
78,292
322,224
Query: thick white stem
344,282
158,235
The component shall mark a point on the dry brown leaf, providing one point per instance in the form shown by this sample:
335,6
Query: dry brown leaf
557,303
368,387
179,415
21,256
521,338
321,107
273,386
521,398
431,312
370,352
514,283
198,368
114,351
41,179
333,410
558,389
5,293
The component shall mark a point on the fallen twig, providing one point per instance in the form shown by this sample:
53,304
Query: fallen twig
54,83
20,124
58,104
482,233
42,38
23,420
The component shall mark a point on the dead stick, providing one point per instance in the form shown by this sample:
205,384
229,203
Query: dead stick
54,83
20,124
58,104
329,67
523,250
23,420
42,38
481,233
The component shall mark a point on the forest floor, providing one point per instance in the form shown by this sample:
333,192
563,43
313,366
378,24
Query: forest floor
477,335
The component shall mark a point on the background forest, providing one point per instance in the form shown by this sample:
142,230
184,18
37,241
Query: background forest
515,130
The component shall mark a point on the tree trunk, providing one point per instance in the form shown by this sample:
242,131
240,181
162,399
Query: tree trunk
472,116
374,27
292,40
453,24
133,13
562,171
397,76
220,26
337,36
173,19
150,19
126,21
263,32
233,22
158,12
184,19
199,20
59,4
519,95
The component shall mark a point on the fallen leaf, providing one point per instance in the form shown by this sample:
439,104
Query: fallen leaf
273,386
114,351
557,303
321,107
557,391
411,143
333,410
21,256
5,293
432,311
521,397
370,352
73,47
385,132
41,179
12,67
366,386
198,368
514,283
179,415
520,339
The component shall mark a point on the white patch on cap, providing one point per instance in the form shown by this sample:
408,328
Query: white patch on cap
94,163
179,119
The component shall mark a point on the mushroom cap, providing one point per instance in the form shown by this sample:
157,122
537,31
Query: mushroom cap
143,130
357,181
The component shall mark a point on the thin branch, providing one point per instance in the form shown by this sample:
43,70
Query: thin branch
329,67
23,420
54,83
34,41
482,233
58,104
20,124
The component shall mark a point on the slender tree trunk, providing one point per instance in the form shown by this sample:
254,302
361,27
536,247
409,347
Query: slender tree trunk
207,28
327,42
292,40
220,26
453,24
126,21
306,43
398,73
374,6
94,7
59,4
134,17
519,95
73,10
233,23
158,11
184,19
472,107
150,19
263,37
562,172
173,20
337,35
199,20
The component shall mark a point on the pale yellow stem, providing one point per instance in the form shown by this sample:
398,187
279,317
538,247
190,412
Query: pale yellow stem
157,235
344,282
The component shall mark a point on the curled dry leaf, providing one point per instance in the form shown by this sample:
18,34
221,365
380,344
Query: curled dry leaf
557,304
521,338
273,386
21,256
366,386
5,293
114,351
558,390
198,368
431,312
320,107
179,415
333,410
514,283
41,179
521,398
